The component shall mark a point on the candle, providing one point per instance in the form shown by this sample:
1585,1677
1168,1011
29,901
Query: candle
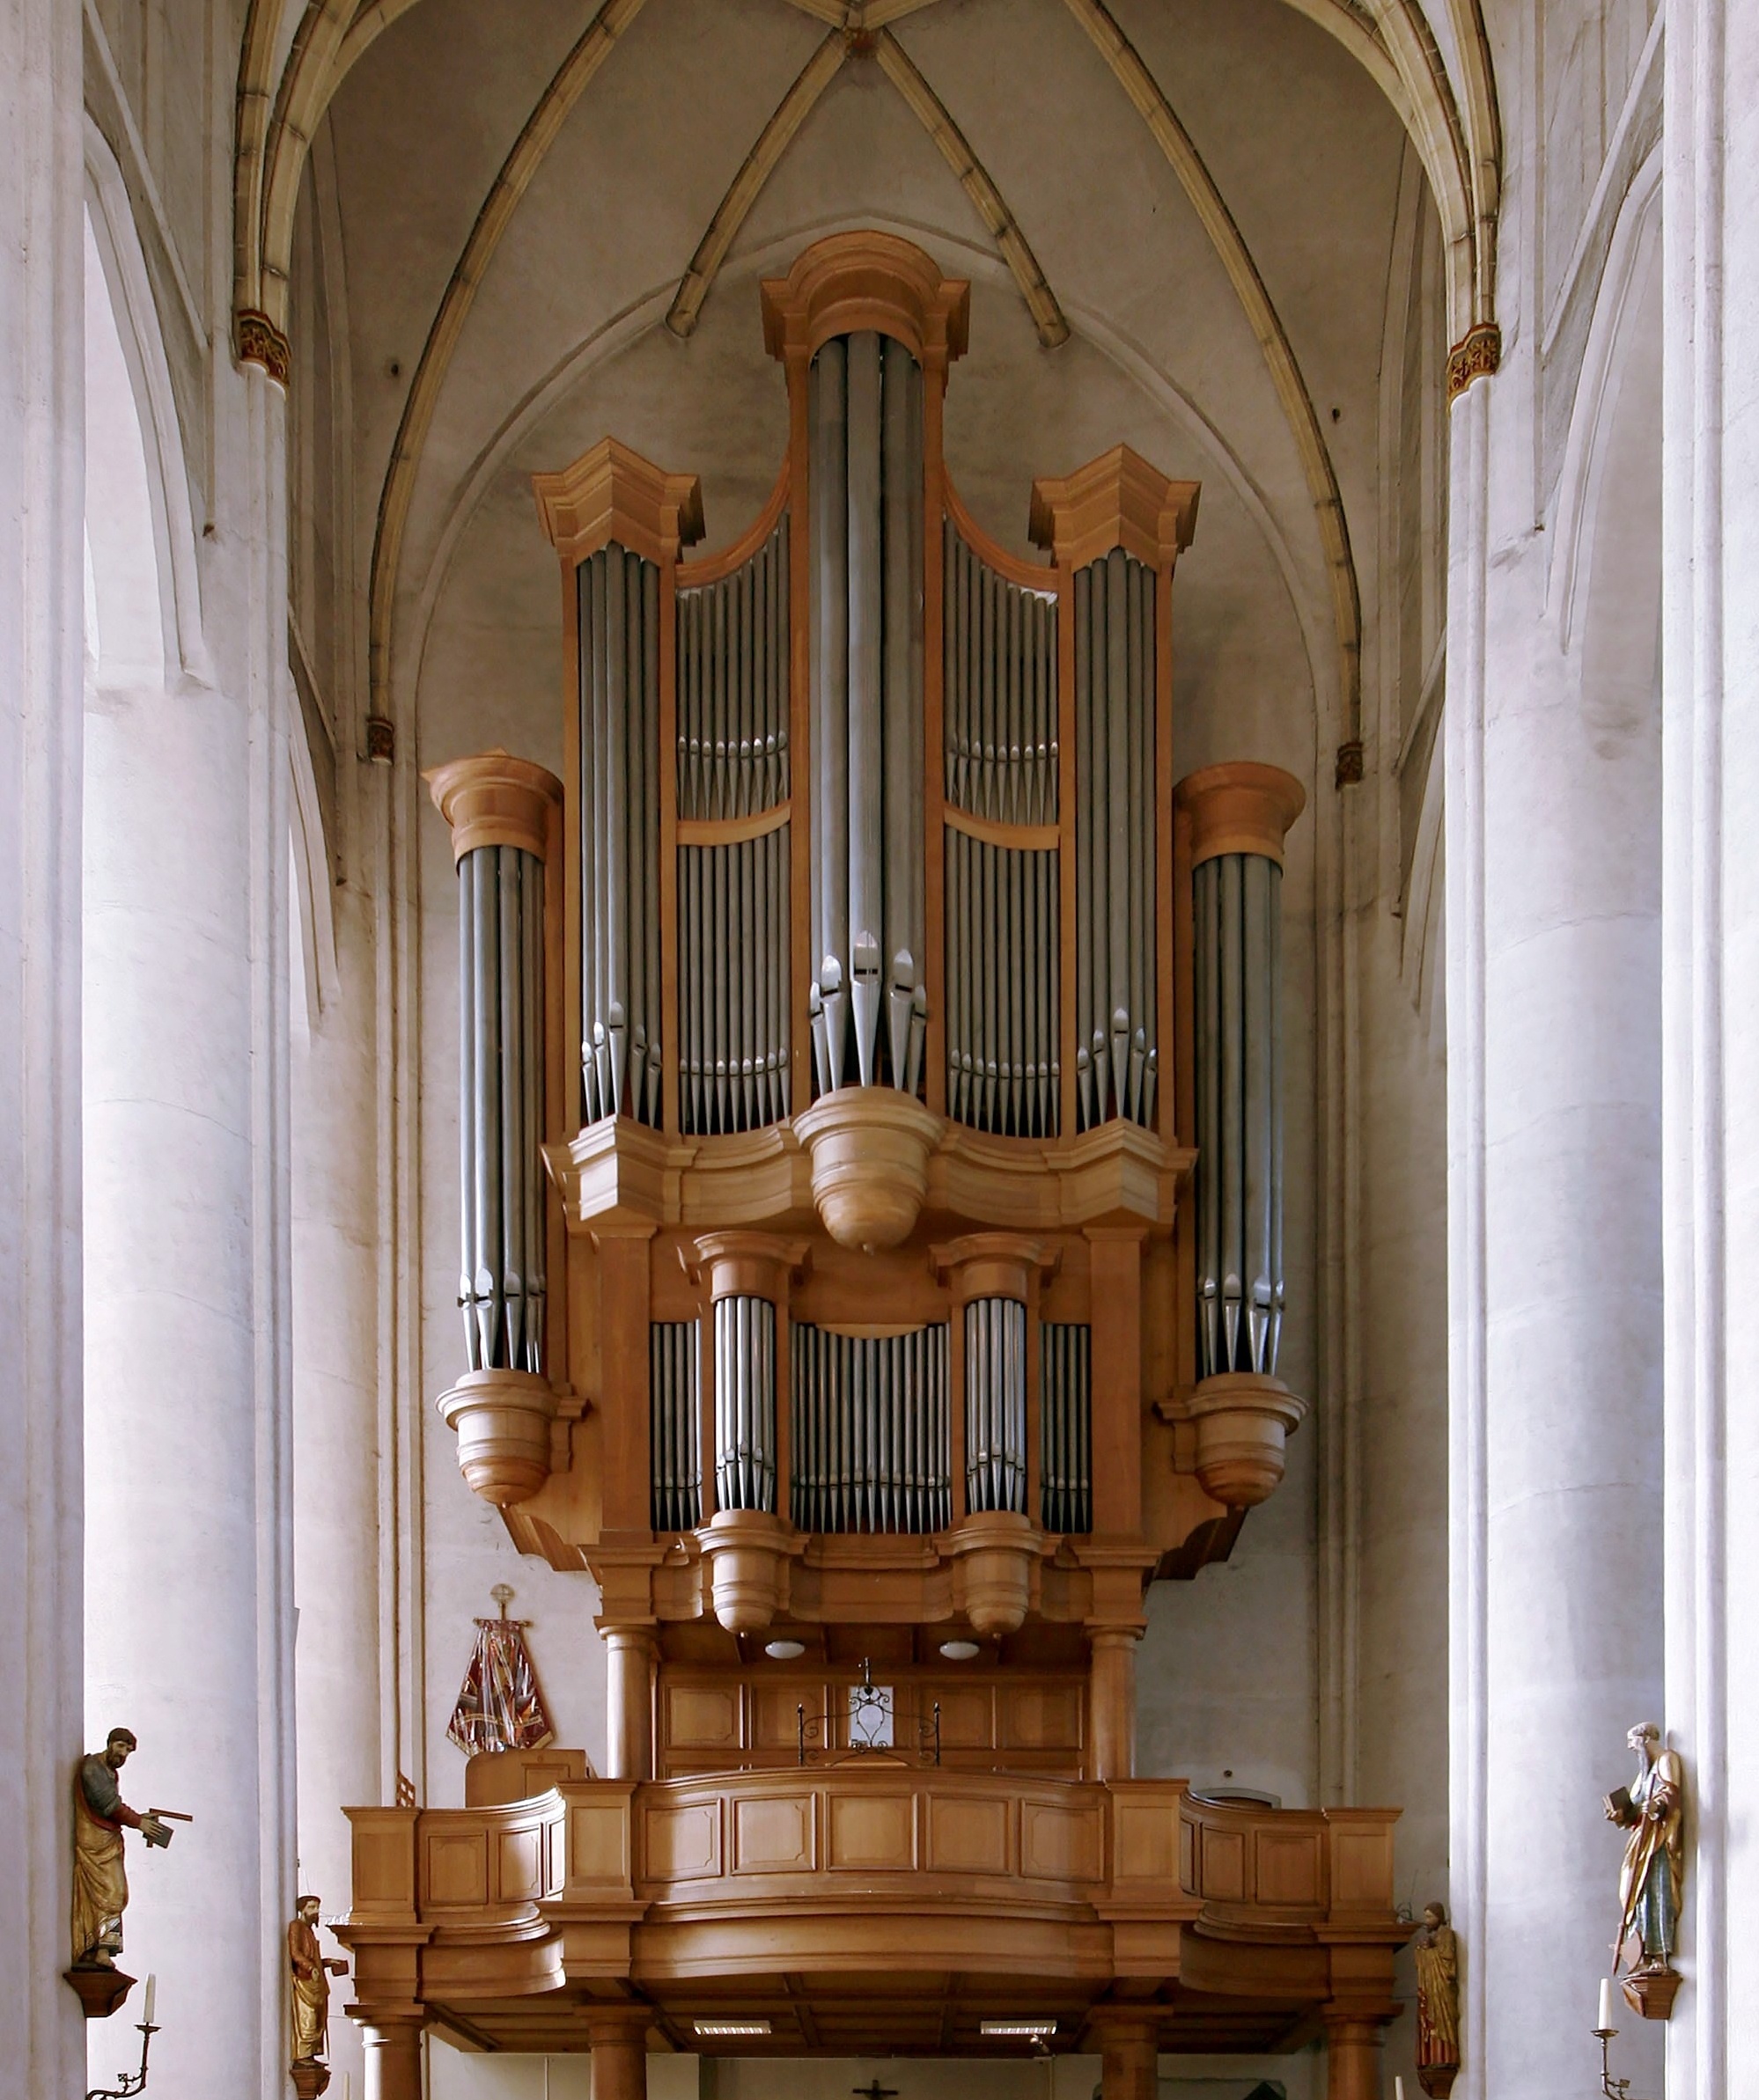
153,1993
1606,2020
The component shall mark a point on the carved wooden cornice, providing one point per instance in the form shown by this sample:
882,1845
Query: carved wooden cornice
1117,500
612,493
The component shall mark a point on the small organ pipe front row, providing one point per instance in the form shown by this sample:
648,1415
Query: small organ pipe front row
870,1060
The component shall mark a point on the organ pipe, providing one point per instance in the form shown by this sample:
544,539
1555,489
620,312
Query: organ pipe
1237,815
868,995
621,1059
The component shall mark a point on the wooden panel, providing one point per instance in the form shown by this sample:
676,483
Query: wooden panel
598,1843
871,1830
1361,1867
1040,1716
967,1717
967,1835
774,1723
1146,1840
1059,1844
773,1835
518,1865
684,1842
1288,1867
457,1866
1224,1865
706,1717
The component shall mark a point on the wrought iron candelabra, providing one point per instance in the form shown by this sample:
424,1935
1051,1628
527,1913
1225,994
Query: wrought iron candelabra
128,2082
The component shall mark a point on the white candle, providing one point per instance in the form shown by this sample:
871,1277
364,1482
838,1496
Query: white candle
153,1993
1606,2019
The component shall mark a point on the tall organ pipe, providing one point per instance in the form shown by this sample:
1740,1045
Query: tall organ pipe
619,831
500,810
869,999
1237,816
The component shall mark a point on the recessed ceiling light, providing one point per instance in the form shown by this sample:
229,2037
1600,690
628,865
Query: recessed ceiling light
785,1651
1019,2030
960,1651
730,2030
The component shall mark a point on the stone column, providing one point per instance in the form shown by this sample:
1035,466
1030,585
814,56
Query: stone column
1553,1018
41,200
393,2059
1129,2064
1352,2057
188,1544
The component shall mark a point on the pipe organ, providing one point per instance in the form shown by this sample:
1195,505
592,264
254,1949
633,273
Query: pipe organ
882,1053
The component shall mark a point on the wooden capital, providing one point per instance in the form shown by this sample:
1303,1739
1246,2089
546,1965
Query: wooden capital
1241,807
989,1265
853,281
612,493
749,1264
496,800
1117,500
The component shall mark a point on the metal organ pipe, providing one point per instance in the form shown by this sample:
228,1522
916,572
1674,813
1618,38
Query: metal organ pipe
619,803
502,1280
869,1001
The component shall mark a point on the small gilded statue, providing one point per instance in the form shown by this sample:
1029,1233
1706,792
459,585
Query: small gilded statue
312,1974
1651,1880
1438,1976
100,1883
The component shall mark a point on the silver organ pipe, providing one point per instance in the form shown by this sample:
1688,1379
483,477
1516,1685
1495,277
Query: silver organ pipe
1002,936
870,1435
744,1403
1065,1406
618,830
1237,1029
501,1050
674,1350
870,1001
1117,1057
995,1404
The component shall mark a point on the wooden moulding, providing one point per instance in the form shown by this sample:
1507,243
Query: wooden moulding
1244,1422
492,799
865,279
612,493
502,1420
1115,501
1240,807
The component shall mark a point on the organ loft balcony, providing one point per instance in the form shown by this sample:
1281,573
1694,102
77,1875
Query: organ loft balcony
871,1271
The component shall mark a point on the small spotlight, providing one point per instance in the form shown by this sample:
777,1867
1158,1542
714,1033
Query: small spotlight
960,1651
1019,2030
785,1651
730,2031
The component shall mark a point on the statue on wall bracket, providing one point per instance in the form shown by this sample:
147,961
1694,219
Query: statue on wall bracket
1438,1976
311,1975
1652,1878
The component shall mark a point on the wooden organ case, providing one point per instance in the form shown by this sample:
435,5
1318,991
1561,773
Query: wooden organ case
872,1188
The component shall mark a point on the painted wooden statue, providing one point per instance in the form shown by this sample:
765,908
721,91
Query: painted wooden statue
1438,1976
100,1881
1651,1877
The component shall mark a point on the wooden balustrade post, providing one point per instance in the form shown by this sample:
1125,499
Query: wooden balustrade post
393,2048
628,1750
1352,2048
620,2053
